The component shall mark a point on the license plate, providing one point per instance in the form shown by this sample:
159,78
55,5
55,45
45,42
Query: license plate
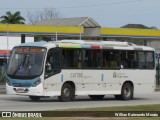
20,89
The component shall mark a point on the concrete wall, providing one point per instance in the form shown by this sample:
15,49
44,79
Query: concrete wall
12,41
155,44
91,31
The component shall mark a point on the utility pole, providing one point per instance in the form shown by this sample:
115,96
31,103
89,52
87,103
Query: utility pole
7,43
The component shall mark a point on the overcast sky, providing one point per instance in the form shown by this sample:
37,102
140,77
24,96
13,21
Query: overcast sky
108,13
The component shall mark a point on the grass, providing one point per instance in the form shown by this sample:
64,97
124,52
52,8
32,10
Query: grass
154,107
96,112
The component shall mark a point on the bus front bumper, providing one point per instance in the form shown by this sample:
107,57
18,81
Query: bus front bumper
34,91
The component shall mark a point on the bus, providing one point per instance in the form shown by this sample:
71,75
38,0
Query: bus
70,68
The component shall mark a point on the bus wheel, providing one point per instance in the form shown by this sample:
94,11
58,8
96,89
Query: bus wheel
127,91
67,93
35,98
96,97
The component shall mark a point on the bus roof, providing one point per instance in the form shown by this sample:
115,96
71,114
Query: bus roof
88,45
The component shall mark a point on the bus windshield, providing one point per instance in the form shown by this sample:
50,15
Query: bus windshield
26,62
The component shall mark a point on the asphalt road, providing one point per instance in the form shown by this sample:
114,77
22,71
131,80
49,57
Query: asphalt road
23,103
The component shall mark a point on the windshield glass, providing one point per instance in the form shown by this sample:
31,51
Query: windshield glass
26,62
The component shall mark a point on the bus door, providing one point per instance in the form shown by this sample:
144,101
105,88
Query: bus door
111,69
52,71
129,65
92,72
72,66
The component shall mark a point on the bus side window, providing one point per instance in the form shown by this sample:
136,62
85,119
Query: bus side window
114,59
128,59
106,59
123,60
71,58
77,58
91,59
142,60
132,59
110,59
150,60
146,60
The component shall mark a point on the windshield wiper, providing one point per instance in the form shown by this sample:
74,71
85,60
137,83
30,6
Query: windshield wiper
20,66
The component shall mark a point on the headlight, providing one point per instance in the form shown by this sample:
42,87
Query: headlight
36,83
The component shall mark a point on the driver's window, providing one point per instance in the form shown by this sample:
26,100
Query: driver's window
52,65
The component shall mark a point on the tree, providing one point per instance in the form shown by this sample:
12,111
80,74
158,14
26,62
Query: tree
12,18
46,13
153,27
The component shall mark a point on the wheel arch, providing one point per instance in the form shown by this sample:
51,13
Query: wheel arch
128,81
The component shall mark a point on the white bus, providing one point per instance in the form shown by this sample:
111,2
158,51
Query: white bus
69,68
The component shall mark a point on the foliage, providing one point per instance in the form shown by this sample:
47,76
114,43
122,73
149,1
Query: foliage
12,18
46,13
153,27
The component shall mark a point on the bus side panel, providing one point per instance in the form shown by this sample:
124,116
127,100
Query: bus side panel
99,82
143,80
53,84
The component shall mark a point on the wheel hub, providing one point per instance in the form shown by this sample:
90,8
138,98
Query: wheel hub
127,92
66,92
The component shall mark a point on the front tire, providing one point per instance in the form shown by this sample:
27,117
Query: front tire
67,93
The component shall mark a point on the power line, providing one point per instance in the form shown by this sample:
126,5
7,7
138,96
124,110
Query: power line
83,6
105,4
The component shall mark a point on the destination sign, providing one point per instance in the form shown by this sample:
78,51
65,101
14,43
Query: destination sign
30,50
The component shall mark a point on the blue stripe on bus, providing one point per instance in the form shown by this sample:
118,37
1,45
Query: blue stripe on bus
22,82
102,77
85,46
62,78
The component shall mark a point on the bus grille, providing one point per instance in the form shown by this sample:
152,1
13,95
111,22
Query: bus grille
21,84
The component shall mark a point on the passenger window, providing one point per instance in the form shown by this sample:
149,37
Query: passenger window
132,59
142,60
150,60
146,60
111,59
71,58
128,59
91,58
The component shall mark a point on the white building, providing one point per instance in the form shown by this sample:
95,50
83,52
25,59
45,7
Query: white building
12,41
6,45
